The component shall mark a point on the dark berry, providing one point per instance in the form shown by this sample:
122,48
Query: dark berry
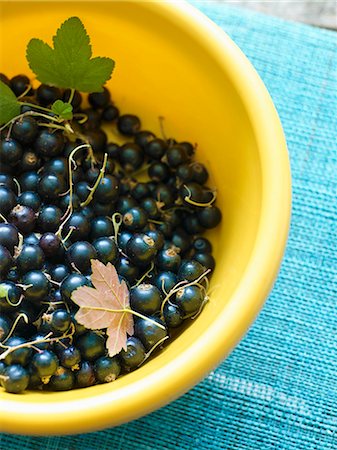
4,327
181,240
80,255
13,297
190,270
145,298
192,225
107,190
29,181
190,150
72,282
112,149
156,148
184,172
97,139
107,369
50,244
110,113
206,259
159,171
127,270
164,194
19,356
150,206
49,143
141,249
106,249
14,379
128,124
37,286
168,260
32,239
62,380
31,257
134,354
199,173
70,357
149,333
51,186
172,315
142,138
59,320
75,102
100,99
30,199
100,227
189,299
46,95
10,151
135,218
176,155
25,130
19,84
165,281
131,156
140,190
57,166
157,237
23,218
91,345
123,238
85,376
49,218
9,236
80,227
202,245
59,272
7,200
209,217
45,363
7,181
6,261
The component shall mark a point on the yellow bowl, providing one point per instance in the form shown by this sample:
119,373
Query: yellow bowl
173,62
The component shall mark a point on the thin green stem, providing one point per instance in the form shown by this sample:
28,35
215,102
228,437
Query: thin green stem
71,97
95,186
20,316
41,108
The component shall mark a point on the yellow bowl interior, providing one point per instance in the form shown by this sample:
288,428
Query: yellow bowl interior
172,62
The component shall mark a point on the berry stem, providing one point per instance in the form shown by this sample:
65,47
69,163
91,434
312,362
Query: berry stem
95,186
11,331
188,199
71,97
156,345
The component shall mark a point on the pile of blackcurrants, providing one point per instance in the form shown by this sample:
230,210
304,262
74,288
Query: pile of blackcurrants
66,199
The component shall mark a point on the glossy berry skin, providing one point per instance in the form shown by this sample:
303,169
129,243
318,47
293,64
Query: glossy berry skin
206,259
156,148
107,369
192,225
23,218
110,113
199,173
145,298
46,95
72,282
40,286
91,345
100,227
9,236
25,130
19,356
128,124
81,227
49,143
125,203
6,261
140,190
13,298
168,260
135,219
190,270
7,181
202,245
45,363
176,155
31,257
19,84
59,272
189,299
29,181
149,333
150,206
7,200
62,380
158,238
165,281
141,249
51,186
143,137
189,148
127,270
49,218
49,244
10,151
70,357
59,320
134,354
184,172
173,316
99,99
14,379
159,172
4,327
123,238
82,190
164,194
209,217
80,255
107,190
181,240
97,139
131,157
106,249
85,376
30,199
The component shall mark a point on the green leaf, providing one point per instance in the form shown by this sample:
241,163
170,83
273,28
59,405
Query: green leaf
69,64
9,105
62,109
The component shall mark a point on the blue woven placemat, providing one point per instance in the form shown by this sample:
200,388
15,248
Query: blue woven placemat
278,389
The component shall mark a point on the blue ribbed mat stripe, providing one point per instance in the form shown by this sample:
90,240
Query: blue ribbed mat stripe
278,389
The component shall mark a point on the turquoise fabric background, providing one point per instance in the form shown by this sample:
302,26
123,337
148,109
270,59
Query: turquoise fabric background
278,389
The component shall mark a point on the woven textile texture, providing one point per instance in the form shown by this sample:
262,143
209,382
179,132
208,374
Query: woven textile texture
278,389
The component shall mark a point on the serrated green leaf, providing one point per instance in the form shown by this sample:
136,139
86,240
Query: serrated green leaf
69,65
9,105
62,109
98,72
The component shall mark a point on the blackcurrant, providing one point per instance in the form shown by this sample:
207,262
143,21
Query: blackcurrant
209,217
62,380
106,249
145,298
173,316
107,190
107,369
13,296
168,260
49,218
9,236
14,379
149,333
110,113
80,255
142,138
21,355
25,130
72,282
45,363
85,376
6,261
159,171
19,84
189,299
49,143
128,124
37,286
59,272
202,245
131,156
141,249
7,200
91,345
31,257
190,270
46,95
51,186
23,218
30,199
100,99
206,259
135,219
134,354
156,148
10,151
50,244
